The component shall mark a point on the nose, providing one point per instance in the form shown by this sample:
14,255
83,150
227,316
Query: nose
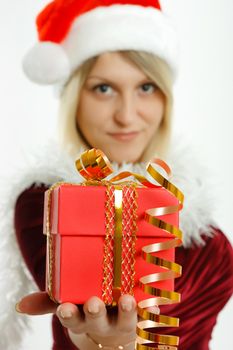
126,111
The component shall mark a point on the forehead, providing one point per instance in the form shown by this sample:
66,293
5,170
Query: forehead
114,65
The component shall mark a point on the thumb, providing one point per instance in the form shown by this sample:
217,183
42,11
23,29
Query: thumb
37,303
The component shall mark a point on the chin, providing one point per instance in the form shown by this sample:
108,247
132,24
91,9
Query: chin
124,157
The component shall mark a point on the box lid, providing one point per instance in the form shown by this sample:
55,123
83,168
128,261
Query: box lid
80,210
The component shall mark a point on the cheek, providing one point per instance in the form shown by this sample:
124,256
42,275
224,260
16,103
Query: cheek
83,112
92,113
154,113
85,118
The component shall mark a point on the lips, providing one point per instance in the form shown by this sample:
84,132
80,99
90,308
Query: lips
124,136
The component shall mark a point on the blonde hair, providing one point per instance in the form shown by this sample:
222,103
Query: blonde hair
156,69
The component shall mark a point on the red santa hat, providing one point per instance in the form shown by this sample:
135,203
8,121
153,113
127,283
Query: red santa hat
71,31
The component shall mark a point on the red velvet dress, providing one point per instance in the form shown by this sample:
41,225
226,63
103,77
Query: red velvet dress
206,283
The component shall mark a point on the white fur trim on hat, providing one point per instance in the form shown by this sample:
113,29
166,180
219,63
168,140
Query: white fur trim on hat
47,63
105,28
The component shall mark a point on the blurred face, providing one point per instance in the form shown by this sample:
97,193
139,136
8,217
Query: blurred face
120,109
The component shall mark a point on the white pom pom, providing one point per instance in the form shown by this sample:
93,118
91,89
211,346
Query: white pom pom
46,63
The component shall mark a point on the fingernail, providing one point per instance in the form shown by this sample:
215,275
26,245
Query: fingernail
17,308
65,314
127,306
154,309
93,308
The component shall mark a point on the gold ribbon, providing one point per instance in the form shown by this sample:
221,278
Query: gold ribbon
117,244
94,165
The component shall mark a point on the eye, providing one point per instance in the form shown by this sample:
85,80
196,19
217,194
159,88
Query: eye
148,87
103,89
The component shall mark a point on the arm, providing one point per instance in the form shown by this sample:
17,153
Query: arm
111,329
28,220
205,286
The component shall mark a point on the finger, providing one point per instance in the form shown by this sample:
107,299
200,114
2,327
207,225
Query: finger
127,314
70,317
146,313
36,304
154,309
96,316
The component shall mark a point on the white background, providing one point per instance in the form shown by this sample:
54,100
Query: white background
203,110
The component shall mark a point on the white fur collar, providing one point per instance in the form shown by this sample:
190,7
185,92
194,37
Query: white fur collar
51,165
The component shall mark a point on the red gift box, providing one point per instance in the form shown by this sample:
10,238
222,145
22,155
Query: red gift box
108,239
85,257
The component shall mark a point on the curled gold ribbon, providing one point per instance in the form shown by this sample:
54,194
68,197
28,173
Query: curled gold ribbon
93,165
171,270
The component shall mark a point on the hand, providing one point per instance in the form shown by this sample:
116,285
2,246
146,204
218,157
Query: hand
107,328
103,328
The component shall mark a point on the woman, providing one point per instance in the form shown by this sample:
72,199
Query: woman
120,101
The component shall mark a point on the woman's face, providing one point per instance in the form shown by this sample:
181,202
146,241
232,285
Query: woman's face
120,109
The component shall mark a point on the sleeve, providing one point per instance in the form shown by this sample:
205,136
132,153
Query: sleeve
28,221
29,231
205,286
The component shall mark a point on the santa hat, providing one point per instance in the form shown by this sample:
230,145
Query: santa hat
72,31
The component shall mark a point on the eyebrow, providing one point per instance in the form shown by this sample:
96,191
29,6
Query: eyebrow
113,83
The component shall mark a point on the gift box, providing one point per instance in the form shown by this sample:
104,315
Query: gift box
96,233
